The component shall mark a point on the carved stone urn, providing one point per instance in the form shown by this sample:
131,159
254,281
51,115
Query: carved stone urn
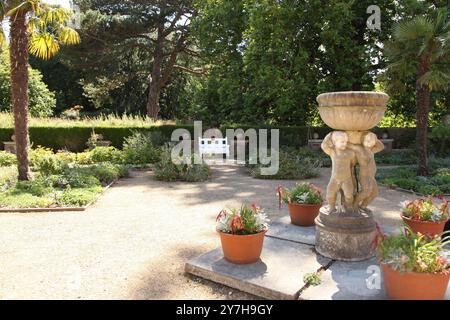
345,229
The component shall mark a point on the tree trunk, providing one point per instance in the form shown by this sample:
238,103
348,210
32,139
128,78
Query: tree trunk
154,94
423,106
154,89
19,90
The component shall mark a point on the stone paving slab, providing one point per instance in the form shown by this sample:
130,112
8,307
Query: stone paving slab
283,229
279,274
349,281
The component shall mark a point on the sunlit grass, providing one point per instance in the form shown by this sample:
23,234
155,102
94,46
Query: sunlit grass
7,121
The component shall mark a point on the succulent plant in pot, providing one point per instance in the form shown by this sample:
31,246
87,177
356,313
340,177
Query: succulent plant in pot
304,202
414,266
242,233
426,216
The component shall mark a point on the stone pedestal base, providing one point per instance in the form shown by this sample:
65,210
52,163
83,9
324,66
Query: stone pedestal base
345,236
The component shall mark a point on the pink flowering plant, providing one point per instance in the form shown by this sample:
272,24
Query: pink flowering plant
411,252
244,221
304,193
427,209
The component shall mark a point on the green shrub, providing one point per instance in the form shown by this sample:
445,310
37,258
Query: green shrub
8,177
404,157
38,187
405,177
79,197
435,163
66,157
24,200
194,172
42,101
75,179
7,159
139,149
429,190
105,172
44,161
292,166
440,140
84,158
106,154
166,170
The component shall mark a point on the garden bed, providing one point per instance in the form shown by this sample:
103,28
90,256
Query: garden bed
57,209
404,178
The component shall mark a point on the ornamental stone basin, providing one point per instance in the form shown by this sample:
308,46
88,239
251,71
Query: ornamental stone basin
352,110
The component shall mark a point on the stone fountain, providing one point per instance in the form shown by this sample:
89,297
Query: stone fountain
346,228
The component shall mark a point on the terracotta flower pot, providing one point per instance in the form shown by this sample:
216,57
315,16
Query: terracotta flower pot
242,249
413,285
429,228
303,215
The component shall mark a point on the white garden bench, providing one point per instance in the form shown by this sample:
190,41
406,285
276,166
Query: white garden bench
214,146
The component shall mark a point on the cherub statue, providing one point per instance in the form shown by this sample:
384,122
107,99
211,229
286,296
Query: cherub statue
365,155
335,145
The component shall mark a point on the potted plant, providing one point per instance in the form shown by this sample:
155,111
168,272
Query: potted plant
242,233
304,202
427,216
414,266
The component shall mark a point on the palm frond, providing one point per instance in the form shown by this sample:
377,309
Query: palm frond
44,45
417,28
68,36
436,79
49,31
54,15
12,9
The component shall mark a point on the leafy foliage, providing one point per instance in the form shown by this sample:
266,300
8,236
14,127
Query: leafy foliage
7,159
139,148
44,161
292,165
426,210
188,170
107,154
244,221
411,252
312,279
440,139
438,183
304,193
79,197
42,100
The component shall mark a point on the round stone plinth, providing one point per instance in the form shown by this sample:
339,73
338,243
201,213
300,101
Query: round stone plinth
345,236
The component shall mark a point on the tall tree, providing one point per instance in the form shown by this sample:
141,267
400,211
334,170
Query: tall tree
420,49
150,33
40,29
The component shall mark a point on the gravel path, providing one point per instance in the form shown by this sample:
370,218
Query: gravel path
134,242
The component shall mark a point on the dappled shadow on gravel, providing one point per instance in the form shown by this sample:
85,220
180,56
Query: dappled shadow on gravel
157,281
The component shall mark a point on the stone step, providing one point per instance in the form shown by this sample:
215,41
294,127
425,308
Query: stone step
278,275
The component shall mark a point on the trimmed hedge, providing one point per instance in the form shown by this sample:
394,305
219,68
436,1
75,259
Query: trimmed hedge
75,138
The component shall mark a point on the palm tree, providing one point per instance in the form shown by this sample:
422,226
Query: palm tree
40,29
420,49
